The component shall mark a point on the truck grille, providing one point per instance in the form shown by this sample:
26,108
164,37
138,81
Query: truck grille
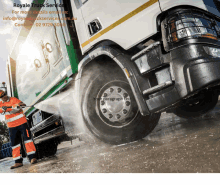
47,129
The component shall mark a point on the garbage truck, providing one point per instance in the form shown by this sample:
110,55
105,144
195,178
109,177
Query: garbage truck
126,60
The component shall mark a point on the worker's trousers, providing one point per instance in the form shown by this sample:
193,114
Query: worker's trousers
15,134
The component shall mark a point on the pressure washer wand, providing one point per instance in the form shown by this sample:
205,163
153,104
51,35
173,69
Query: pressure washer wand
14,108
18,107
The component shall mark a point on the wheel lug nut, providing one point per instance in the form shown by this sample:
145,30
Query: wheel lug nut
118,116
102,103
125,111
110,116
125,95
127,103
111,90
105,95
119,90
104,110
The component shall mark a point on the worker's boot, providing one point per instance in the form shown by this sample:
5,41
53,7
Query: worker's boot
16,165
33,161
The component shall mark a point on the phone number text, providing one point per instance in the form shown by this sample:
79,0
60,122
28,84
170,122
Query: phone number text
48,24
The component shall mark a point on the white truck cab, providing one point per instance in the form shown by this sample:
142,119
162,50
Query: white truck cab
126,23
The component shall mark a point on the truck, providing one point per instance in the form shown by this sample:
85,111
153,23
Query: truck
125,60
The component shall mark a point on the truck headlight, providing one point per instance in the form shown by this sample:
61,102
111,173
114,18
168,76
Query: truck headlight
191,27
188,24
215,52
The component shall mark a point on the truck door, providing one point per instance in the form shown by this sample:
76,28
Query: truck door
124,22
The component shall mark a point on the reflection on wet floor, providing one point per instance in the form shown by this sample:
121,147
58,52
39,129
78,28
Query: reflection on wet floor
175,145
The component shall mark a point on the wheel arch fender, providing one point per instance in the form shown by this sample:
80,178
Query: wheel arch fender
124,62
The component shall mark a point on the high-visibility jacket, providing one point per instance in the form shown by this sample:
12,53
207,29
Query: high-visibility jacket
13,118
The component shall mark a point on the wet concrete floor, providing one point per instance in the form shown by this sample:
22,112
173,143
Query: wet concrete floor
175,145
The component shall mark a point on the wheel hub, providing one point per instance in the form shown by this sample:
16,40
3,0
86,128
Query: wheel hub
115,103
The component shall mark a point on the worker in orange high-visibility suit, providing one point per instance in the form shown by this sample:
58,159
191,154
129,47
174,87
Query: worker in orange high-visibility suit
17,125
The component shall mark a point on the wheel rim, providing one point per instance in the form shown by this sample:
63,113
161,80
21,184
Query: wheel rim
115,103
115,106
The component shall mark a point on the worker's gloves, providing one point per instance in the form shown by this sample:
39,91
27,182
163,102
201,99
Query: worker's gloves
17,107
4,108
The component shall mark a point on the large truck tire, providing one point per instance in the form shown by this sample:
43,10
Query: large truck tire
200,104
110,110
46,149
50,148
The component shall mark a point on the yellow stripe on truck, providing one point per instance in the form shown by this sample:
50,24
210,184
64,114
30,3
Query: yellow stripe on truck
123,19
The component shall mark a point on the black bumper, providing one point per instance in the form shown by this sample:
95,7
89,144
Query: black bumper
48,129
192,70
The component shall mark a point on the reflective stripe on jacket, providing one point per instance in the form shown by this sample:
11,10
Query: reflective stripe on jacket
11,118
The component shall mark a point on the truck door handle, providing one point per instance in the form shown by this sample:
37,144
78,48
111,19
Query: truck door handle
94,26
